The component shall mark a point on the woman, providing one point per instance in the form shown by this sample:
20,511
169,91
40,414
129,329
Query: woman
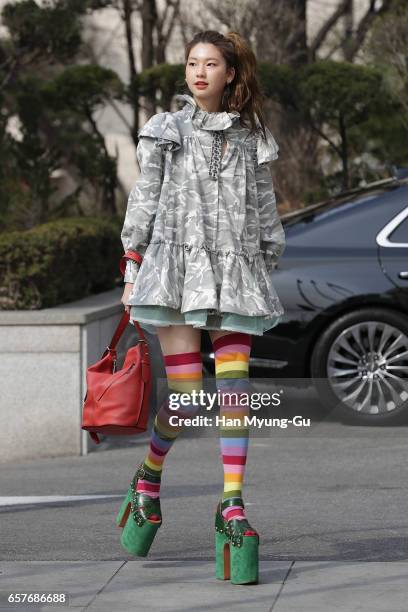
203,217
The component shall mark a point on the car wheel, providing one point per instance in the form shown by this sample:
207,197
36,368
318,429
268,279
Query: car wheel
359,366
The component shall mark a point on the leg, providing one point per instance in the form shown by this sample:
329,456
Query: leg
179,339
180,345
232,351
236,542
140,512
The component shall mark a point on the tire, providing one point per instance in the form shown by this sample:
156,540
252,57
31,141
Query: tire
380,384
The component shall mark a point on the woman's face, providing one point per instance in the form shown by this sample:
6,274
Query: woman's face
206,64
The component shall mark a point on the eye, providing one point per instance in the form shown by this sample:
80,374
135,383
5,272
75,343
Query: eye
209,64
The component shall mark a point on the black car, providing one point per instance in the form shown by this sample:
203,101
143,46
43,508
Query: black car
343,281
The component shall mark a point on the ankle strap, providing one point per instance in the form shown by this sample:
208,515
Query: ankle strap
232,501
143,473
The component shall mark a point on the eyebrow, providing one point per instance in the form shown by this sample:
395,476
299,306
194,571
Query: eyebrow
208,58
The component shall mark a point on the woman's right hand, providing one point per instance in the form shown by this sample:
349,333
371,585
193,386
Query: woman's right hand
125,297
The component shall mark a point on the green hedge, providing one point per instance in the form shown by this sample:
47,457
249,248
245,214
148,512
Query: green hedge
59,262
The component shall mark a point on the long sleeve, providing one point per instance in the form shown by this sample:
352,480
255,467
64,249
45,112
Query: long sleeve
132,268
159,134
144,197
272,235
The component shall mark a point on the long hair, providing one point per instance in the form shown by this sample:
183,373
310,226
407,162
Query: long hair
243,94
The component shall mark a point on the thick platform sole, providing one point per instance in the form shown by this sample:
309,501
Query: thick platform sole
137,539
238,564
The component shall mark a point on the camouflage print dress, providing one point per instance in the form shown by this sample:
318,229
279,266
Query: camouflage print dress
205,223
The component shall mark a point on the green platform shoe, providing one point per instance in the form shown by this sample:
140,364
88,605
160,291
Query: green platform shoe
236,547
140,516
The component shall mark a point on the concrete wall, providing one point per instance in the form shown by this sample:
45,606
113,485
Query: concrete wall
43,359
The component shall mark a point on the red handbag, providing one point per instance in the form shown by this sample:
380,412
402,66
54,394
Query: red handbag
117,401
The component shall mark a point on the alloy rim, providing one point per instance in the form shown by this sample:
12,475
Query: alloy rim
367,367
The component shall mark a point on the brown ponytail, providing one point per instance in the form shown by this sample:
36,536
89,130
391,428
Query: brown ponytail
243,94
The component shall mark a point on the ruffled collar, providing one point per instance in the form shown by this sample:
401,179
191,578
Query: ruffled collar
207,120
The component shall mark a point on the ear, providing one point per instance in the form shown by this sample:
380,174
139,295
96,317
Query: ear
231,73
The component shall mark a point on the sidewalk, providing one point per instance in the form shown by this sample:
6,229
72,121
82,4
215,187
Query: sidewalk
284,586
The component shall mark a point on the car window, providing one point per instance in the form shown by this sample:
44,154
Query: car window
400,234
323,209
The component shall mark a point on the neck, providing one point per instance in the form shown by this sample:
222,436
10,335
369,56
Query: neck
209,106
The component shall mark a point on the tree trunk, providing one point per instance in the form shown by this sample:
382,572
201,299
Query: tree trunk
133,84
348,40
297,44
149,16
344,154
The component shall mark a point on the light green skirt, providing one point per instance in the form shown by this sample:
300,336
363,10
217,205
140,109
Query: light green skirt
150,317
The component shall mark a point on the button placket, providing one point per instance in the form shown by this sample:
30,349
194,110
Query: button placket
214,170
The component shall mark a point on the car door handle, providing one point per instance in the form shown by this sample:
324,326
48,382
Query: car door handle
403,275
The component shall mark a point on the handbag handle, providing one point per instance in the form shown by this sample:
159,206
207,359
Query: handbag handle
119,331
135,256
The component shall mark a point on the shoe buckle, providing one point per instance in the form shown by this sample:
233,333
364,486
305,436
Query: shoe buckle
141,472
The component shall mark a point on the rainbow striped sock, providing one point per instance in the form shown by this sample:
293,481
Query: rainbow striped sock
231,353
184,374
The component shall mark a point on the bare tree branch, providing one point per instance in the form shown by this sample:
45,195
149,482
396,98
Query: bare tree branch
366,23
326,28
165,25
